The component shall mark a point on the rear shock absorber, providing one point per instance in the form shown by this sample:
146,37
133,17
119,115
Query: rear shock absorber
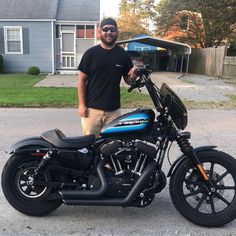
45,161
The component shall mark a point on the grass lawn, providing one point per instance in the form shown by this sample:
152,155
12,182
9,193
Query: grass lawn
16,90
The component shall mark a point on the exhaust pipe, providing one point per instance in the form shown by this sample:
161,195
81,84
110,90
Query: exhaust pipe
117,202
88,194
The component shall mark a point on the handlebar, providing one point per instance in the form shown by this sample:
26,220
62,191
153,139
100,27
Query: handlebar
130,89
141,79
138,80
142,71
137,83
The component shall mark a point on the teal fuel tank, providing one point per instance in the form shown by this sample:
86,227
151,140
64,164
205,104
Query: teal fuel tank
138,121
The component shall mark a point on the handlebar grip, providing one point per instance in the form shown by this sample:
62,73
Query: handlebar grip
130,89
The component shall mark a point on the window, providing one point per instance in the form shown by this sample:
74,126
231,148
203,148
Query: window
80,31
13,40
90,31
85,31
183,23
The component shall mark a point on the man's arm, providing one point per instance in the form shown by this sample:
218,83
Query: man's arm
83,110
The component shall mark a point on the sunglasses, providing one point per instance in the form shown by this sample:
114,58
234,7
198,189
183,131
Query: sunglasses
106,29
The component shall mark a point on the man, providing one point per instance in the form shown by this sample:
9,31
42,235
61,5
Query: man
100,72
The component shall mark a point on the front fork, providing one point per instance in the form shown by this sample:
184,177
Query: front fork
188,151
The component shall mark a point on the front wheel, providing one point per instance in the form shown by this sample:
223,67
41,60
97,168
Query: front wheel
191,196
20,189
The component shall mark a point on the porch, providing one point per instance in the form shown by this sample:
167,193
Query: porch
72,40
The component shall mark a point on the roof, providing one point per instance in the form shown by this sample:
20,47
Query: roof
69,10
136,46
28,9
79,10
179,48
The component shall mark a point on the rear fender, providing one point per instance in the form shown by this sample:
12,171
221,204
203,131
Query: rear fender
183,157
34,144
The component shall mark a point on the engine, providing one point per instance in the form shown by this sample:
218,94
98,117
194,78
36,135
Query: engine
127,156
125,162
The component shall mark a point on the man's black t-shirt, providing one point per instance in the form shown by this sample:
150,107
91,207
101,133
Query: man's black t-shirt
104,69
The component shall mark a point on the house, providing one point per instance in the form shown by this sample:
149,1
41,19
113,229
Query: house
52,35
187,26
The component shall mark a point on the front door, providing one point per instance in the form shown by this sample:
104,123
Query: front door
67,46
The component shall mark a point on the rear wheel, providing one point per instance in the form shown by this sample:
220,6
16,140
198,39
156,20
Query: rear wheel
24,192
191,197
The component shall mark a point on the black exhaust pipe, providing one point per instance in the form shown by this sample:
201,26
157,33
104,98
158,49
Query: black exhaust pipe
88,194
117,202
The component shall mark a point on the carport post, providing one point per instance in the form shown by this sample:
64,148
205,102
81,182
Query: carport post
176,62
187,64
182,60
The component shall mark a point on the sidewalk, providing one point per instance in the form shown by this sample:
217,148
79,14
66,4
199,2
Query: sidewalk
190,86
68,81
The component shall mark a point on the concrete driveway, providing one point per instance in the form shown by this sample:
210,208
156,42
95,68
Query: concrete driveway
187,86
208,127
170,78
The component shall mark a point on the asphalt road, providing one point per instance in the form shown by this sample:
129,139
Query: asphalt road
208,127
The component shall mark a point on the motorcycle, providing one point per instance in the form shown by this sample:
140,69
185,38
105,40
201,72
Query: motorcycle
123,166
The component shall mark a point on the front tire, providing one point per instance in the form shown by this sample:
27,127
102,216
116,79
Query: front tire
21,192
191,198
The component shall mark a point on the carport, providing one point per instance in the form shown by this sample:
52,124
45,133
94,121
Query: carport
178,53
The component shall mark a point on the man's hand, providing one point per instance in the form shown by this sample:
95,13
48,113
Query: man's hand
83,111
132,71
131,74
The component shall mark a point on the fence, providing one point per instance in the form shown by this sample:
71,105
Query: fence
208,61
229,68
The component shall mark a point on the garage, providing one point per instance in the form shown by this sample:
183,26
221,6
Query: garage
169,56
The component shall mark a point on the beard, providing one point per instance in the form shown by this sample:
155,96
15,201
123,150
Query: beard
109,39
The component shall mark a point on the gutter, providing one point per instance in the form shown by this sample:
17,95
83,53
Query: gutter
28,20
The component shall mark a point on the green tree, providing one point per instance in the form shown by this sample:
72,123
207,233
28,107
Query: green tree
217,19
134,17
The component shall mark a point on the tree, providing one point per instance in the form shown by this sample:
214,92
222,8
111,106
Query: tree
134,17
217,17
130,25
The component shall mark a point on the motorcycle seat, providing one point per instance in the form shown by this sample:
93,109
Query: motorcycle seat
58,139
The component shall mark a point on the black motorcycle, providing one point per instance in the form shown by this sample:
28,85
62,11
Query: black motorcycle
123,167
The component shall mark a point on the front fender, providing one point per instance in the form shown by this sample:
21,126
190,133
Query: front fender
28,143
183,157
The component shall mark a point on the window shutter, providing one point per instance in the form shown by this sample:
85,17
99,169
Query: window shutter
2,49
26,46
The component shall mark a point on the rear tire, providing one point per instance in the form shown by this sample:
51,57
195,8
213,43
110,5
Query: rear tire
28,199
191,198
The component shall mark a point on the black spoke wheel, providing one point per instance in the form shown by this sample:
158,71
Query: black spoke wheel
25,192
26,182
192,198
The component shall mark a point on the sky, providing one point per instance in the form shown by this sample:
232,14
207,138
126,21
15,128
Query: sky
109,8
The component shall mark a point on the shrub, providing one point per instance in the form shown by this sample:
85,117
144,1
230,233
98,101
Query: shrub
33,70
1,64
